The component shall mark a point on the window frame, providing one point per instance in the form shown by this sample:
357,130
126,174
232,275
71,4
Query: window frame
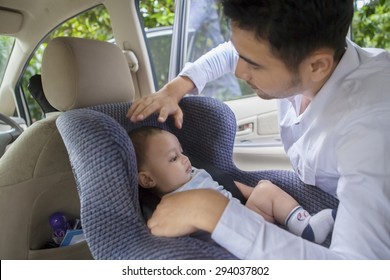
21,93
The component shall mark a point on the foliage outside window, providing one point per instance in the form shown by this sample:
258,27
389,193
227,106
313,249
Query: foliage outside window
371,24
6,44
157,13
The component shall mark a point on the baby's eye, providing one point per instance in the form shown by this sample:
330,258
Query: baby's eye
173,159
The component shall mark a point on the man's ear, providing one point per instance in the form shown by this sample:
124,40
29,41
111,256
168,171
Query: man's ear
321,65
145,180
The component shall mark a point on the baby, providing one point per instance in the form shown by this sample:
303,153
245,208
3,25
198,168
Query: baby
164,169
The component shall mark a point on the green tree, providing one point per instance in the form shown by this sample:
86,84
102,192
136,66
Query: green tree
6,44
157,13
371,25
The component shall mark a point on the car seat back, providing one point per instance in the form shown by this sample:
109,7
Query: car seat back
36,179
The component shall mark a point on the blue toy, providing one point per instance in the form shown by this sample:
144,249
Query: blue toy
59,225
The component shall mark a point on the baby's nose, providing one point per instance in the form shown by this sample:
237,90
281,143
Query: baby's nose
184,158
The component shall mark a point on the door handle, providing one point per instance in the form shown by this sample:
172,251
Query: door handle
244,129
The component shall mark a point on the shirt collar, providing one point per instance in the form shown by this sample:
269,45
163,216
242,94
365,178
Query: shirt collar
349,61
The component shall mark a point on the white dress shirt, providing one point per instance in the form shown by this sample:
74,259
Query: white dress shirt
341,144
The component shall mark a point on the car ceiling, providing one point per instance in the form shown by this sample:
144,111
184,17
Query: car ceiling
40,16
35,19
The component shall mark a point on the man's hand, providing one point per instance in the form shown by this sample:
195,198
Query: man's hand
160,102
185,212
165,102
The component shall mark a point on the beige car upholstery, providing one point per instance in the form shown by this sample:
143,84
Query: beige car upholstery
35,174
76,75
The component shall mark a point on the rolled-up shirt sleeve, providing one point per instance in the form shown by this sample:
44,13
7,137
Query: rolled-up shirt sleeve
212,65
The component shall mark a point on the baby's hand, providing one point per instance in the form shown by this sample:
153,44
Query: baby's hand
264,181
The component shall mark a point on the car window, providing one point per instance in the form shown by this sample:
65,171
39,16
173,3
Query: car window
92,24
159,40
6,44
207,28
158,19
371,23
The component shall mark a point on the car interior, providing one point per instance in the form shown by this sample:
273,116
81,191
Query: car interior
76,157
104,162
36,177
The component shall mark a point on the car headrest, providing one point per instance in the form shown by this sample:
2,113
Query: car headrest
80,72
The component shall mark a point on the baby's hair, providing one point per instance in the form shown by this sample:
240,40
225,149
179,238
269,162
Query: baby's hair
139,137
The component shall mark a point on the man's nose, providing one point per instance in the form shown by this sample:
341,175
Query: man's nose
242,70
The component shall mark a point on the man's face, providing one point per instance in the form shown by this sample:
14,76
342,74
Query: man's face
265,73
166,163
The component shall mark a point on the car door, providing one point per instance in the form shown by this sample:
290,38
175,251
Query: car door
200,26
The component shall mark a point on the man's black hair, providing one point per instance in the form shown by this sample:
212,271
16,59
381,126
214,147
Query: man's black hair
294,29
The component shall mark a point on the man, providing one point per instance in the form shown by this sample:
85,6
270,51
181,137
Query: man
334,113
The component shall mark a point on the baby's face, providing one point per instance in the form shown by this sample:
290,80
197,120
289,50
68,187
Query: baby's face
166,162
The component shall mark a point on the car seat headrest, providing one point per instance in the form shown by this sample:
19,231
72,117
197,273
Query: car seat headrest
80,72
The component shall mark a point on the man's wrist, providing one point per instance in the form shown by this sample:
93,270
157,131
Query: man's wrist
179,87
212,209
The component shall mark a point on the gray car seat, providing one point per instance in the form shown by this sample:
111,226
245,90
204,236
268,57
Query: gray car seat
104,163
103,160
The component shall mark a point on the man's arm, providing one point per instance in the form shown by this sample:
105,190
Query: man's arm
235,227
212,65
185,212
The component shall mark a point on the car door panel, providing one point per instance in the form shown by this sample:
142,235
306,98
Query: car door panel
257,144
